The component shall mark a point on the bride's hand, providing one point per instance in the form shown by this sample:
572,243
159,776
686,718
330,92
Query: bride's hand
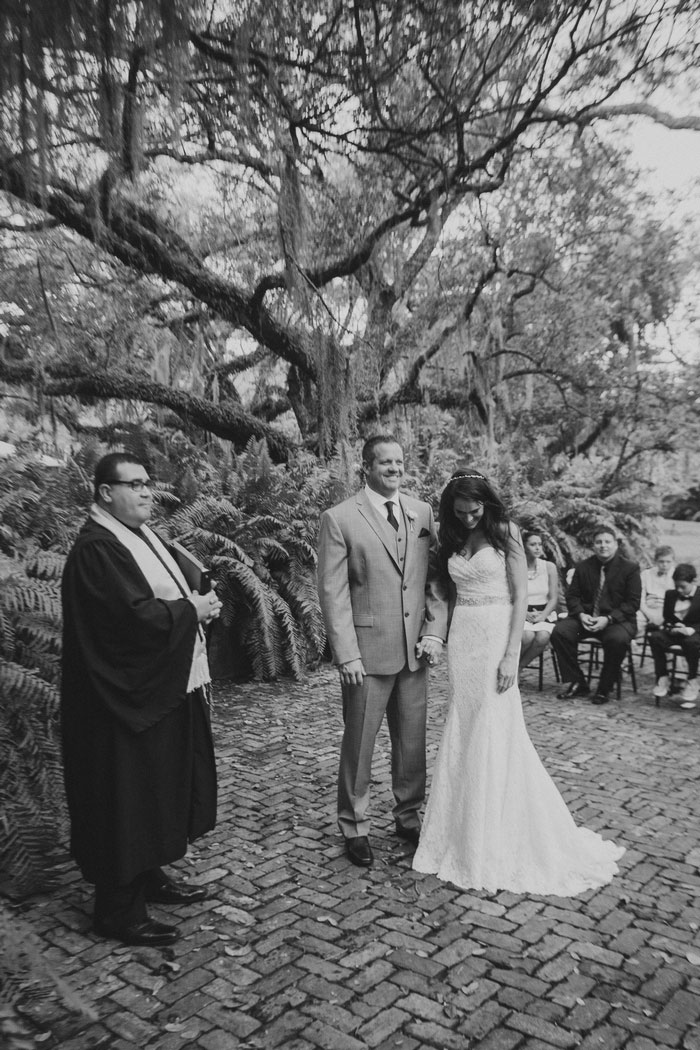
507,673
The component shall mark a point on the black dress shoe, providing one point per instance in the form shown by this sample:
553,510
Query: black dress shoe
600,698
147,934
573,689
170,892
411,835
359,851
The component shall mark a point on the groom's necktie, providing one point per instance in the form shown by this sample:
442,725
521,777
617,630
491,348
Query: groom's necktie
599,592
390,516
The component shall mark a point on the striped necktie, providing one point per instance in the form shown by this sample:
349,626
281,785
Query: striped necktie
599,592
391,518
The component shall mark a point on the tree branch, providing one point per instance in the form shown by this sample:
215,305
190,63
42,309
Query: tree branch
227,421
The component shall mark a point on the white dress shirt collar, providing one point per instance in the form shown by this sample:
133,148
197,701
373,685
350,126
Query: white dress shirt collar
379,502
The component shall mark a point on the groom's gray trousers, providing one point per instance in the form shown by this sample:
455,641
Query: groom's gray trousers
404,698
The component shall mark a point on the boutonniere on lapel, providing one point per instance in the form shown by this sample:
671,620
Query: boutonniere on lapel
411,519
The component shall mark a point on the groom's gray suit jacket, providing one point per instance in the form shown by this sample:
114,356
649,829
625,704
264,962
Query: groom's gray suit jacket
377,603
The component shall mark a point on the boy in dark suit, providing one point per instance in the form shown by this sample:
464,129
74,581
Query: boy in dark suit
681,623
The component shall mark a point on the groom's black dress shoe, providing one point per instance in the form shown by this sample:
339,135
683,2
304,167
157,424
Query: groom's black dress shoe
170,892
359,851
147,934
411,835
600,698
573,689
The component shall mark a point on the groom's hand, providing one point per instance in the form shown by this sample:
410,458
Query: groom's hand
429,648
352,672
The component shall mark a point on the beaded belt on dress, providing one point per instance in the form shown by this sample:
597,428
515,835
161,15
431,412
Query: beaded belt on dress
483,599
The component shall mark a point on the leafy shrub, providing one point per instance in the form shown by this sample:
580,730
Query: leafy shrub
683,506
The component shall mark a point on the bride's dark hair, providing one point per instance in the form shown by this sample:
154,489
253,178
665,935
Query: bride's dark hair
467,483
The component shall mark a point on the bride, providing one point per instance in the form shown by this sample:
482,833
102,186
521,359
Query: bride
494,819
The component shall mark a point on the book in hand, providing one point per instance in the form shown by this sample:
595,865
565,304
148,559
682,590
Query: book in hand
198,576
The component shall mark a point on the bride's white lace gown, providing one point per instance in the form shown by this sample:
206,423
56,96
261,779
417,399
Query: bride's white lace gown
494,819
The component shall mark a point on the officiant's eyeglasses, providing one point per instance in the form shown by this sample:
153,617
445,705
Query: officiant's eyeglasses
136,486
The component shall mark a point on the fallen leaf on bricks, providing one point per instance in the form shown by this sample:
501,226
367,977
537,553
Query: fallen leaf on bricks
469,988
328,919
693,957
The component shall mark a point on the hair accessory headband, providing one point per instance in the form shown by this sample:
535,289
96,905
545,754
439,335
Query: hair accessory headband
475,477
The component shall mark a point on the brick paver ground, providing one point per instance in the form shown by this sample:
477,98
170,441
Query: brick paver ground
298,949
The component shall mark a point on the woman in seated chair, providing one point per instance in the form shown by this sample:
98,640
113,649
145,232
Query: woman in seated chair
542,600
681,626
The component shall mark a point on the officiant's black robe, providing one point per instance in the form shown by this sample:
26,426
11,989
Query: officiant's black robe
138,756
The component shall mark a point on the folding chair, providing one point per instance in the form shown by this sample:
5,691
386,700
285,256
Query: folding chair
595,648
677,675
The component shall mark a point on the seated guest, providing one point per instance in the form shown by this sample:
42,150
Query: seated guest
603,598
542,600
655,582
681,624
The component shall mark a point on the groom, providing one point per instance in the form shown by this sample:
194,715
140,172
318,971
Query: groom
386,618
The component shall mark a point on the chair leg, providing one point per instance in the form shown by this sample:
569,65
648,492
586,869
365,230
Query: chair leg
591,649
555,665
633,677
541,672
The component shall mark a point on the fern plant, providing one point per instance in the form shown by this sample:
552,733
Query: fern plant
41,507
31,791
256,527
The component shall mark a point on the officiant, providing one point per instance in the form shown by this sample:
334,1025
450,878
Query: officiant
139,766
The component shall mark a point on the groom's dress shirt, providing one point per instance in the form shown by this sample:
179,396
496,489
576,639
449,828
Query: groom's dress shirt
379,503
396,535
378,589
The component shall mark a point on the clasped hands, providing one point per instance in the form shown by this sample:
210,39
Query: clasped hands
593,624
207,606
